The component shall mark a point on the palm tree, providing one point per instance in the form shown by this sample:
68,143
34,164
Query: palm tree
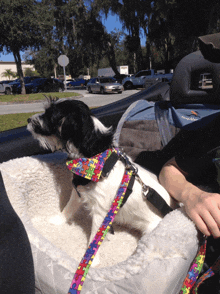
8,73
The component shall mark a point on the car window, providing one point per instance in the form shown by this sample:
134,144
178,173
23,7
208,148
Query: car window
107,80
143,73
201,81
38,81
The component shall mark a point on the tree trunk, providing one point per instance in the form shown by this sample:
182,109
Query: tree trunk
111,58
17,58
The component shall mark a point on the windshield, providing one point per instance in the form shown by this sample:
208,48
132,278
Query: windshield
38,81
107,80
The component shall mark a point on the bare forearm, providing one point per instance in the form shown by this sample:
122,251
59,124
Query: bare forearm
202,207
174,181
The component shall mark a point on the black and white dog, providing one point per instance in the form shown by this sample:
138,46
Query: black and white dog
69,125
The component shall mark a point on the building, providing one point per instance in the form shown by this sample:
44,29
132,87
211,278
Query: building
12,66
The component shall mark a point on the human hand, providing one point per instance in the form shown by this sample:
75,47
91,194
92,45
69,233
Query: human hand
204,210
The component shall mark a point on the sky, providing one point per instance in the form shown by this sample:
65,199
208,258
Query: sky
110,23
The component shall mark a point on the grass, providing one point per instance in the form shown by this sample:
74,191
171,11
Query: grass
12,121
34,97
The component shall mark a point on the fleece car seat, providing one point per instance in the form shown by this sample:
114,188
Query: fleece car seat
38,186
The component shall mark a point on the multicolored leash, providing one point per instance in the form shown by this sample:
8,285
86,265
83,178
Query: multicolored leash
83,268
87,259
215,268
189,284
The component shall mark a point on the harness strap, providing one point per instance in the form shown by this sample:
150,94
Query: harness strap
96,167
154,198
83,268
129,189
214,269
109,164
189,284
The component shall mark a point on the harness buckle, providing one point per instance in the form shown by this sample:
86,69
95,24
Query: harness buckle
145,190
128,164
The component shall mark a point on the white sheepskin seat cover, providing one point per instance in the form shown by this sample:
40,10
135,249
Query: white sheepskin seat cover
39,187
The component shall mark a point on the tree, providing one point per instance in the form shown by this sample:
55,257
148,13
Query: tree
22,23
78,33
177,24
132,17
30,72
96,42
8,73
171,27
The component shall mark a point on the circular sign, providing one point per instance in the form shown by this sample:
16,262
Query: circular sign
63,60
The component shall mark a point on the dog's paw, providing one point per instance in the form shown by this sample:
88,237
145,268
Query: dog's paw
57,220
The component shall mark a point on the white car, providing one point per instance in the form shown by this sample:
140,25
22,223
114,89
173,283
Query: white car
104,85
5,88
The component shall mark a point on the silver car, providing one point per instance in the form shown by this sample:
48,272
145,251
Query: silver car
104,85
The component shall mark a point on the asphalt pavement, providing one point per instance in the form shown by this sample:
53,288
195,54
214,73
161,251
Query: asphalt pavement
92,100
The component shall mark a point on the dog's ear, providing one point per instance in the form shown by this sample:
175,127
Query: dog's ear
50,100
68,127
76,129
99,127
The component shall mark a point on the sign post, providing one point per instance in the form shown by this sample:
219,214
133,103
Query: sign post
63,60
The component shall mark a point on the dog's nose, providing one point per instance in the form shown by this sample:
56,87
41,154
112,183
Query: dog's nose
29,120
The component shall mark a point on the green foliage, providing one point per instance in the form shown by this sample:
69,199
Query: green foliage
49,28
8,73
22,25
30,73
171,27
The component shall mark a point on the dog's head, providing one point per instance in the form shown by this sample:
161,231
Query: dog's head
69,124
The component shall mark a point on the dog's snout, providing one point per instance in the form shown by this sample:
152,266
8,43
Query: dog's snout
29,120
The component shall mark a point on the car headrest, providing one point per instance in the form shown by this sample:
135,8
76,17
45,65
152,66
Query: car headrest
210,47
196,80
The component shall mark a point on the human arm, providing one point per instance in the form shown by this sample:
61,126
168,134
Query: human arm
202,207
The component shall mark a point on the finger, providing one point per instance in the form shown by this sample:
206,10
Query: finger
216,229
211,223
201,225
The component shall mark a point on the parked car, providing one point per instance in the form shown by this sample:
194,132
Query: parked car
120,77
44,85
5,87
139,80
7,81
104,85
16,85
76,83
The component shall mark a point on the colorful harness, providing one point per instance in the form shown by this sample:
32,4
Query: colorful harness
93,169
99,166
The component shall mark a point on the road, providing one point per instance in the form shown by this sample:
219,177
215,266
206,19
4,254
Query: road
92,100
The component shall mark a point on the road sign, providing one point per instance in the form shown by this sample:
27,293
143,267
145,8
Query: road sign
63,60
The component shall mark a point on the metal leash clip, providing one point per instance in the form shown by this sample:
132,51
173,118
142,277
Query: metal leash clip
145,188
128,164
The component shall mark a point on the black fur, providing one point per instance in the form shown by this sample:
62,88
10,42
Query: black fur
70,121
